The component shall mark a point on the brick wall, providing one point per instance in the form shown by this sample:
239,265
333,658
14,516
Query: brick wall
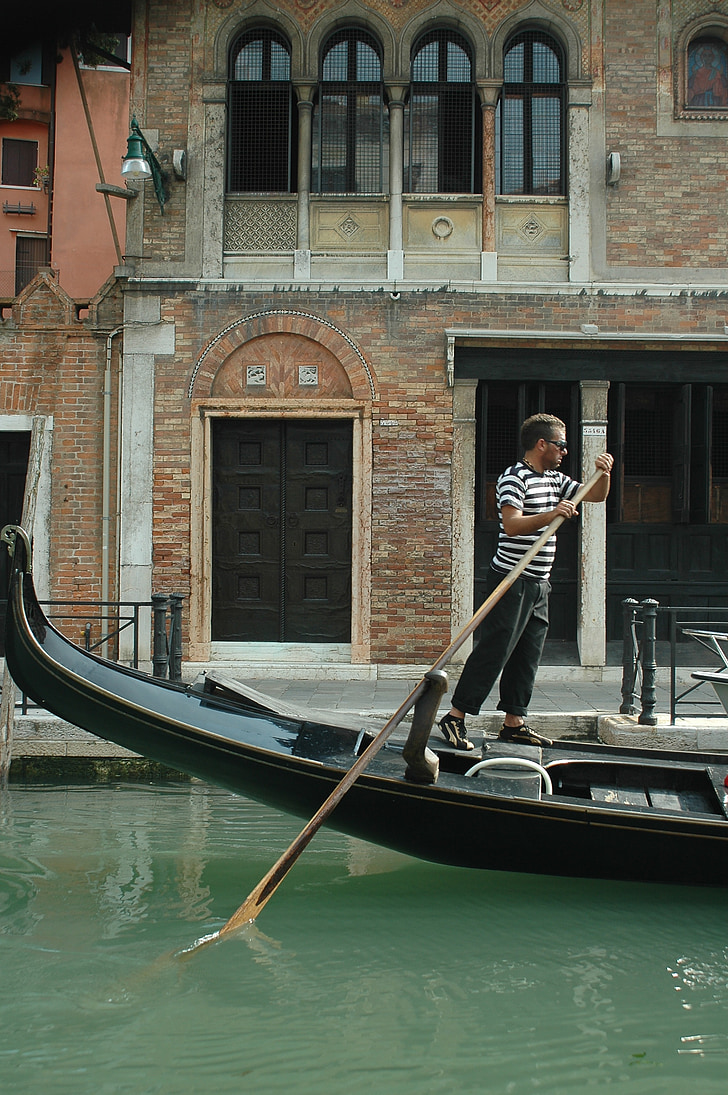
670,207
52,363
403,342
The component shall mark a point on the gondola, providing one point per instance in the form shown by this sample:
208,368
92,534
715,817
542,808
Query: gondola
574,809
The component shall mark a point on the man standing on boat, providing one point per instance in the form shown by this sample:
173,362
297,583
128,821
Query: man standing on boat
530,495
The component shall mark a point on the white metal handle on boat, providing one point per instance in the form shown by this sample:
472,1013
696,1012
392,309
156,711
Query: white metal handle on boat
514,762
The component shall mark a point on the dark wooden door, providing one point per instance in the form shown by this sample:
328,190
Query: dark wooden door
14,451
281,531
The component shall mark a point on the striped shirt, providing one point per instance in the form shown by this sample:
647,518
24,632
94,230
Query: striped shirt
529,492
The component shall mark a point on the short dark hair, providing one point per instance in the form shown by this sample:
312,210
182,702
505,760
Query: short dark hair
538,426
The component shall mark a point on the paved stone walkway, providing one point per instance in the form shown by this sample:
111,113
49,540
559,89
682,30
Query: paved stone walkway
566,703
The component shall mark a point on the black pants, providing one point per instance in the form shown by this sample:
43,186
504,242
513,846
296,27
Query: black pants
510,642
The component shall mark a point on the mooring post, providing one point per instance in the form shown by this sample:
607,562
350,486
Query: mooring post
175,637
423,765
159,633
629,657
647,716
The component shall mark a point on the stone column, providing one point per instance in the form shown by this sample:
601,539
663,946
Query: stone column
144,336
463,507
302,257
489,92
213,206
592,613
395,254
578,170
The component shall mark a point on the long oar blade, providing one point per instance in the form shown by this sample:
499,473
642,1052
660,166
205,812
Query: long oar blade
259,897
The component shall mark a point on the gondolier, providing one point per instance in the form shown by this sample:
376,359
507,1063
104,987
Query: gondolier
530,494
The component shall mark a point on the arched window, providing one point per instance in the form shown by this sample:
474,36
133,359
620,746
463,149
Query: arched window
531,124
350,124
261,116
707,74
442,145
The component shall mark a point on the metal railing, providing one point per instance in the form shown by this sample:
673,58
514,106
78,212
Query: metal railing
100,629
641,622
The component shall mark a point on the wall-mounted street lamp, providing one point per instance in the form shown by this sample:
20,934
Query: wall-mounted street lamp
141,164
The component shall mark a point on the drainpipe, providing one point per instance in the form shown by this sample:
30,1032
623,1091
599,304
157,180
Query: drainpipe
106,469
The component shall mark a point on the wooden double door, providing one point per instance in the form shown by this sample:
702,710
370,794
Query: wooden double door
282,530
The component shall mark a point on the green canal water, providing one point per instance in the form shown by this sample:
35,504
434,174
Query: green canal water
367,972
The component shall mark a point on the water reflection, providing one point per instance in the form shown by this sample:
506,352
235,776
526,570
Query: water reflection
367,970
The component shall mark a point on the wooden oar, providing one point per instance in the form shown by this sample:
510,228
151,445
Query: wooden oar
259,897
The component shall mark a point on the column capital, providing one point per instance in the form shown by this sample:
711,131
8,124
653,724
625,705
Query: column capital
304,90
489,92
396,91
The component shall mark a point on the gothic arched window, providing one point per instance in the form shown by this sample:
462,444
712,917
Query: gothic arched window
442,146
531,151
261,115
350,123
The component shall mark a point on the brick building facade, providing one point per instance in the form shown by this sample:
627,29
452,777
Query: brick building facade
392,231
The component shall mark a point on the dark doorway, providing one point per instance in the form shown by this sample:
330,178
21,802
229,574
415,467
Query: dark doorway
31,253
668,507
14,452
501,408
281,531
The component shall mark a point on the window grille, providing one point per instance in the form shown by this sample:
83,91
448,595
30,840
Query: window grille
530,151
719,434
350,123
648,427
442,145
261,116
707,77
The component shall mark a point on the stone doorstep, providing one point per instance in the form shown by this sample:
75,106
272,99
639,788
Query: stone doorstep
703,735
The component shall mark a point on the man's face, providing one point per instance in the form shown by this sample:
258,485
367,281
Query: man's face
553,454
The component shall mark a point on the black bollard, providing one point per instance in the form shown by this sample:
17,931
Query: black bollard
175,637
159,632
647,716
629,657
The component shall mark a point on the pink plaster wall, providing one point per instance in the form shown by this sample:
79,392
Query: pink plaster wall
83,245
31,126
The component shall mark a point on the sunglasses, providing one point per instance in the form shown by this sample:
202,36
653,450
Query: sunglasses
561,445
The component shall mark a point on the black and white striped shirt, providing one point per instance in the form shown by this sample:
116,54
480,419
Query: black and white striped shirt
529,492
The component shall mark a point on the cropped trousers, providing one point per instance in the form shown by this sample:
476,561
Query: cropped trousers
510,641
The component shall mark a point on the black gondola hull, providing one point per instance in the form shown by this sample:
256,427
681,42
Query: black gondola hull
293,765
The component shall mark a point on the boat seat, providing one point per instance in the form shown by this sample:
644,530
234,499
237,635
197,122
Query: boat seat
214,683
625,796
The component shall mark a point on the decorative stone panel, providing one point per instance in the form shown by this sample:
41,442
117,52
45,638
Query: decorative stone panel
255,224
349,225
434,225
532,239
530,228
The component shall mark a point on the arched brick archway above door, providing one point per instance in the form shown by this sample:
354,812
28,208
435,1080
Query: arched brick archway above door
282,366
343,369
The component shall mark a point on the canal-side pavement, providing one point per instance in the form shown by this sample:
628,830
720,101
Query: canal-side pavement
567,703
